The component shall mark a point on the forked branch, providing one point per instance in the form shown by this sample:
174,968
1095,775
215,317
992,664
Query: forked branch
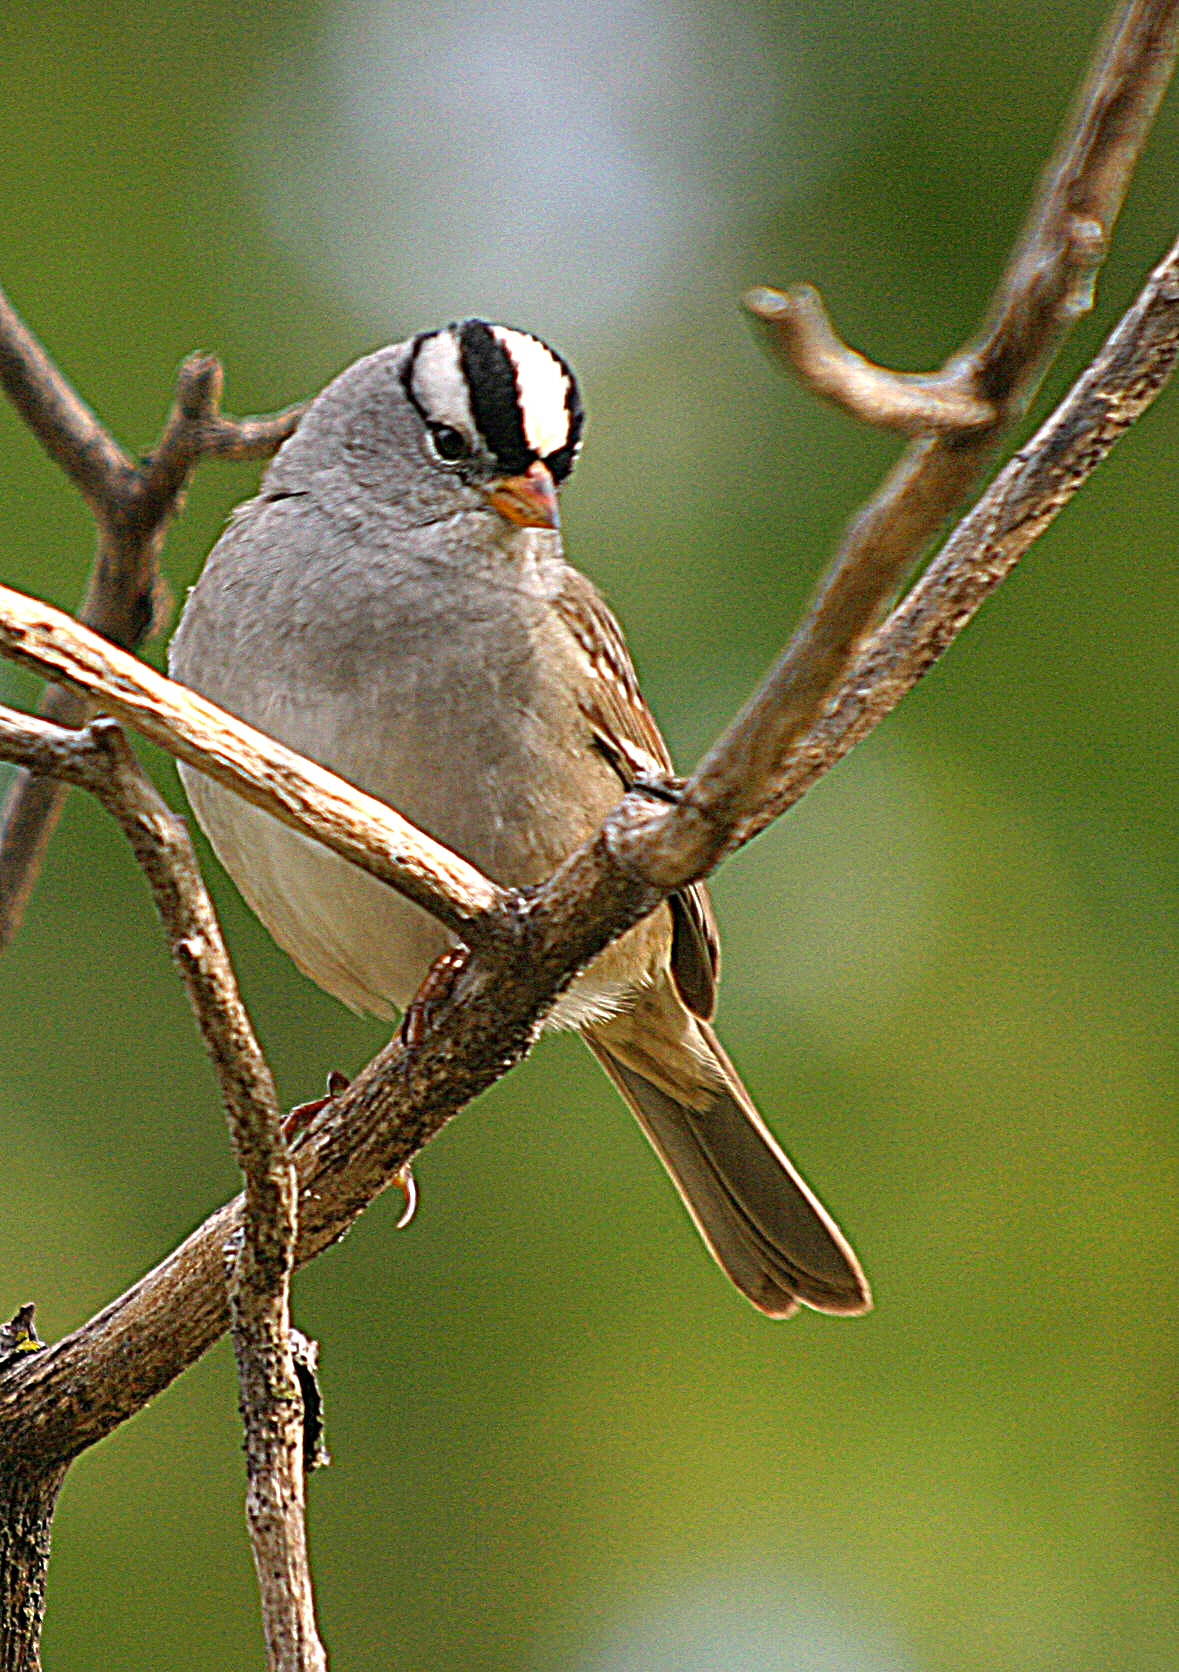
132,501
1048,283
833,684
83,1386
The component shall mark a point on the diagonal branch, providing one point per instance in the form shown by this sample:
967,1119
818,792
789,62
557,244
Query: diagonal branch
82,1387
1048,283
297,791
62,422
1123,381
133,503
788,736
832,686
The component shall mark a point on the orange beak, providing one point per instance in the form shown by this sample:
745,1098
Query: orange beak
529,501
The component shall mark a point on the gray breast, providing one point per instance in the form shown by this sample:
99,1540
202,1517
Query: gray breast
454,703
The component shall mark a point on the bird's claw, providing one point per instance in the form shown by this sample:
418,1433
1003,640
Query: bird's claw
404,1180
301,1116
661,786
433,993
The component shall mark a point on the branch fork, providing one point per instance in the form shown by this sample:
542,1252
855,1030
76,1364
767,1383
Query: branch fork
851,660
133,503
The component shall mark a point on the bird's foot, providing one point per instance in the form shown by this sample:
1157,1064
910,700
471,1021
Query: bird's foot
301,1116
661,786
432,995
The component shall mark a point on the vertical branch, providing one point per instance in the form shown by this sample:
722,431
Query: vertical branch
27,1502
259,1288
272,1410
100,759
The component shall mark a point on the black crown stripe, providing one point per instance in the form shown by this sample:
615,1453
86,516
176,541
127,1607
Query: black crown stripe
407,371
495,399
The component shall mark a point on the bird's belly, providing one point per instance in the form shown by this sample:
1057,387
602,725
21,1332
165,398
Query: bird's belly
528,804
351,934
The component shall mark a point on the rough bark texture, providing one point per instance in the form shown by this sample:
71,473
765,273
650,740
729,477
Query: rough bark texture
27,1500
833,684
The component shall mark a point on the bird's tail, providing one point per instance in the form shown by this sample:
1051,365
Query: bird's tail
768,1232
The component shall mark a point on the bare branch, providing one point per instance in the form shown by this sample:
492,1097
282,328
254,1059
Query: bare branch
1048,282
195,429
297,791
800,330
83,1386
830,689
259,1293
792,731
28,1498
1121,383
1050,278
99,759
62,422
132,504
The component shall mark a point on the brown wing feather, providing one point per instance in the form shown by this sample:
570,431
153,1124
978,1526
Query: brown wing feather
695,950
626,733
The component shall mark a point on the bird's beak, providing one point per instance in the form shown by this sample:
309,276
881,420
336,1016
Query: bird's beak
529,501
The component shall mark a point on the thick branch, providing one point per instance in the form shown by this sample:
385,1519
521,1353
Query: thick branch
132,505
1048,281
27,1500
83,1386
64,1398
297,791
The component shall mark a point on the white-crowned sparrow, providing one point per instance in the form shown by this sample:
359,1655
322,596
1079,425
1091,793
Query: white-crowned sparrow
395,604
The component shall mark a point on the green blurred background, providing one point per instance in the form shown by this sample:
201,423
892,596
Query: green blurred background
561,1442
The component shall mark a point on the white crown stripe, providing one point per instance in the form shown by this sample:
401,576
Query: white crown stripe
439,384
543,384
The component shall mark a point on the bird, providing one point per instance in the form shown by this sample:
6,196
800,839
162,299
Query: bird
395,604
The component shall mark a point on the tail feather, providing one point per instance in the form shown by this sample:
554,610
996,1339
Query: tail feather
768,1232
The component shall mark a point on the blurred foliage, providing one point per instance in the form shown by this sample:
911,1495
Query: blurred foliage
560,1441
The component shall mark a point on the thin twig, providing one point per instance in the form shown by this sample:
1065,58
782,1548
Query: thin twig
62,422
80,1388
99,759
132,502
800,330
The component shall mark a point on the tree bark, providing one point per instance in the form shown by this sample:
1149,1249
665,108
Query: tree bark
27,1500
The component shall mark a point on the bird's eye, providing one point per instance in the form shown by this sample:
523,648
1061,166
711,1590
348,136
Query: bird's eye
449,444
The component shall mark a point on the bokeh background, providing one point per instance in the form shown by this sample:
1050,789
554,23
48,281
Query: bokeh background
561,1443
